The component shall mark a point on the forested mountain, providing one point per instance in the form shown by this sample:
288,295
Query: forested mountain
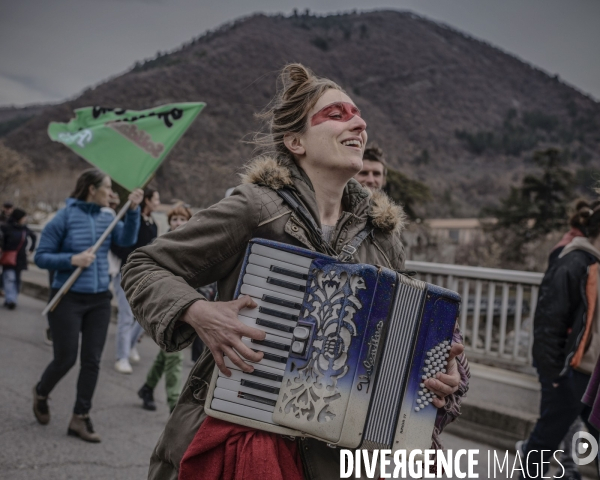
452,111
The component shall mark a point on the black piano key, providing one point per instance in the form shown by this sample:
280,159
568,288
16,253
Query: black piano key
272,344
277,313
288,273
273,357
275,325
256,398
279,301
259,386
266,375
288,285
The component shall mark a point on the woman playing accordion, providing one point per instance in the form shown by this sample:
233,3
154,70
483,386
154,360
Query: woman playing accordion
315,143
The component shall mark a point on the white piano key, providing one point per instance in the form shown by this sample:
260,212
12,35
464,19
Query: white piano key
257,292
268,262
281,255
238,376
242,411
235,386
269,363
262,283
263,348
231,396
251,322
278,339
264,368
264,362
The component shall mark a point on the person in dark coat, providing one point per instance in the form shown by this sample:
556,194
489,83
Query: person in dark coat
14,237
566,344
7,209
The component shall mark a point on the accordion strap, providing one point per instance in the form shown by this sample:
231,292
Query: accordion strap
315,231
351,247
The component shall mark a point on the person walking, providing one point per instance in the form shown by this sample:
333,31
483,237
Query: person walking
129,330
317,138
169,364
14,254
84,310
7,209
566,343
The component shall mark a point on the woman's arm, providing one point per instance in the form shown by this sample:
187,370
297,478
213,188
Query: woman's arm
160,279
125,233
450,411
33,238
48,254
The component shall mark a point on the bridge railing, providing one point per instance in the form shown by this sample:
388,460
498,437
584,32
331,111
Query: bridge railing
497,309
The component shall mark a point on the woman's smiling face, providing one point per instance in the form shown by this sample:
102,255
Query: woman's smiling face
335,136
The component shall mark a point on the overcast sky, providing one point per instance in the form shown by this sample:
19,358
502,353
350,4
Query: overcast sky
53,49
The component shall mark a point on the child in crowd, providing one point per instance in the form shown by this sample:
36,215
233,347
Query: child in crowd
168,364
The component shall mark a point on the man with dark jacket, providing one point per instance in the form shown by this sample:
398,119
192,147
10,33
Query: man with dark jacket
566,340
7,209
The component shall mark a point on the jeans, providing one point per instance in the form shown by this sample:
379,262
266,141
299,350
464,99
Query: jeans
88,314
128,329
12,284
171,365
559,407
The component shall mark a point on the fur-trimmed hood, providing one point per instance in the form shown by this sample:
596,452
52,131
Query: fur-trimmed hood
268,171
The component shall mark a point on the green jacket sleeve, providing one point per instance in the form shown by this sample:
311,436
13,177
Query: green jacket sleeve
160,280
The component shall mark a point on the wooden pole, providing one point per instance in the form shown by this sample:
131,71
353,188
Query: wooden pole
75,275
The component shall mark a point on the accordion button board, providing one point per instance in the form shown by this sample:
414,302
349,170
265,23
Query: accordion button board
347,350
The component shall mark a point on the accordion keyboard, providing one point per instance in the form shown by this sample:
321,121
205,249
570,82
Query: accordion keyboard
277,284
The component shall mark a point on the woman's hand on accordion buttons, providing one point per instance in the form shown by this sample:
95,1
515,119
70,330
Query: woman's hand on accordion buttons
217,324
447,383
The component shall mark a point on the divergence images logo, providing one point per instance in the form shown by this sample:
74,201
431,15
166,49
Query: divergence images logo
584,448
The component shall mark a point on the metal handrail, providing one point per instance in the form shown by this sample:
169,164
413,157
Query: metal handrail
498,307
495,274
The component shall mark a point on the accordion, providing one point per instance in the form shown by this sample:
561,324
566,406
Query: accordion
347,350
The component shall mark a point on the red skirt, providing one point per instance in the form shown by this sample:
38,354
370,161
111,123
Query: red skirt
223,451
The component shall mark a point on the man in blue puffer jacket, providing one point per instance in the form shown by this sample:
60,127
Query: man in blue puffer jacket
65,245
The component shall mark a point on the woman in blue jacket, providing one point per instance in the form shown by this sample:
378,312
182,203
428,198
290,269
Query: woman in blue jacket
65,245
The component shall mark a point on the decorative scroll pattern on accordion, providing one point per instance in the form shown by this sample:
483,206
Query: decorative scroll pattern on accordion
347,350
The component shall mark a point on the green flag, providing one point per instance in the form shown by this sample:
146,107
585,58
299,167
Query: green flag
127,145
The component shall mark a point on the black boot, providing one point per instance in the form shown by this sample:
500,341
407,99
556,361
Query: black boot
40,408
147,395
